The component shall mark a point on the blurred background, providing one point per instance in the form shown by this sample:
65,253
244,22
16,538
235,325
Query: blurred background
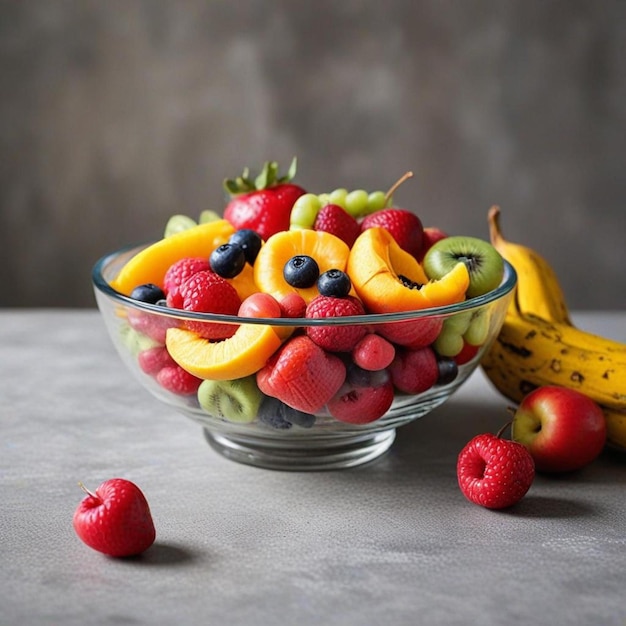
115,115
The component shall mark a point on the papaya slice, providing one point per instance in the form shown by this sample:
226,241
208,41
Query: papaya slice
329,252
242,354
389,279
151,264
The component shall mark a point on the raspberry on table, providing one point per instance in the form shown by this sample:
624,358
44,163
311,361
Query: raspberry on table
494,472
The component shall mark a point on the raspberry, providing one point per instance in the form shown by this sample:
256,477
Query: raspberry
335,338
177,380
150,324
206,292
177,274
493,472
335,220
153,360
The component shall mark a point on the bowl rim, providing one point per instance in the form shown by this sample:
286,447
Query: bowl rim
509,281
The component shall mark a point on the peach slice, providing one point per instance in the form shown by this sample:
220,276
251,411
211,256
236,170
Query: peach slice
329,251
150,265
388,279
243,354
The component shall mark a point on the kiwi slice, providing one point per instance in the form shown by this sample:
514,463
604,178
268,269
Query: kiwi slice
233,400
177,223
484,263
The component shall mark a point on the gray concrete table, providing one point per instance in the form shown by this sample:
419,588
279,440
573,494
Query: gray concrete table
393,542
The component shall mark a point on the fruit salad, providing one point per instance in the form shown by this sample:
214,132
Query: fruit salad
300,287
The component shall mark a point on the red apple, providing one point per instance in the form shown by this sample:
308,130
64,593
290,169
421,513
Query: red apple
563,429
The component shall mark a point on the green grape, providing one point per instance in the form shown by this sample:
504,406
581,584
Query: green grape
134,341
209,216
338,197
448,343
304,211
178,223
376,201
324,199
478,330
356,202
459,322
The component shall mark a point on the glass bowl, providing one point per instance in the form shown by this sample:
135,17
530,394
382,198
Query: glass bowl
278,436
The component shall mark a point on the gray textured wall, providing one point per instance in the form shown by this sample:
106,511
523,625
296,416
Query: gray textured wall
115,114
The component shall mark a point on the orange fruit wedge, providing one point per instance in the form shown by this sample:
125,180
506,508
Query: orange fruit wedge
329,252
241,355
388,279
151,264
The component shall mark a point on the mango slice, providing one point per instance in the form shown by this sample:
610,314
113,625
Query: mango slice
388,279
151,264
241,355
329,251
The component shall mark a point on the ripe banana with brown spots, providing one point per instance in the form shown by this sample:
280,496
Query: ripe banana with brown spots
538,345
538,290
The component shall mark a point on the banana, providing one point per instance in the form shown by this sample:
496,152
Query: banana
538,344
615,428
530,352
538,290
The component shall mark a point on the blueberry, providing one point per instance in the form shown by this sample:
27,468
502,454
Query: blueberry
334,283
448,370
277,414
149,293
271,414
227,260
301,271
250,241
298,418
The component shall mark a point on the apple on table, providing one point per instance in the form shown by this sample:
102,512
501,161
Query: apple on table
562,428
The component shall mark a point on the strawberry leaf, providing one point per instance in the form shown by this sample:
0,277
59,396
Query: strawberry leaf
268,177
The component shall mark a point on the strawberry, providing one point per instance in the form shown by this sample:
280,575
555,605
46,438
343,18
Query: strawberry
177,274
405,227
494,472
468,352
302,375
263,204
337,221
335,338
206,292
414,333
359,404
414,371
116,519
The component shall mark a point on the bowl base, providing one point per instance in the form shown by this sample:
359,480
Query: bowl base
323,454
